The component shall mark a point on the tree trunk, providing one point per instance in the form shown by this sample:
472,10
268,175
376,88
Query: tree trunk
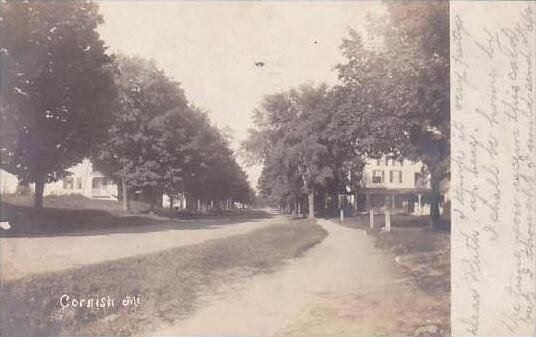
434,201
171,199
311,198
124,188
39,190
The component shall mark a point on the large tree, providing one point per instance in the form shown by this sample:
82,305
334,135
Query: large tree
428,95
146,131
293,146
57,87
396,96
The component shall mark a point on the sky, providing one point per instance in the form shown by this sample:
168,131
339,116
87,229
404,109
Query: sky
212,48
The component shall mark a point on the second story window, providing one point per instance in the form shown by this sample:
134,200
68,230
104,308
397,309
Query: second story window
395,176
378,176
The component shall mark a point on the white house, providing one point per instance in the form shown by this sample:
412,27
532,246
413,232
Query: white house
83,180
8,182
395,184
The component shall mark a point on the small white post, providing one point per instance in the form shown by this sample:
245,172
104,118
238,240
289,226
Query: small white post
371,211
387,221
342,215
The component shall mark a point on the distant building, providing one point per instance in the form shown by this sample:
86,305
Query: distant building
177,201
396,184
83,180
8,182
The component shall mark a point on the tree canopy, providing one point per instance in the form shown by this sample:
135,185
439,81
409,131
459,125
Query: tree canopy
392,100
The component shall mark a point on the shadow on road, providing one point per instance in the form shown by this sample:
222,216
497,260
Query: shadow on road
25,221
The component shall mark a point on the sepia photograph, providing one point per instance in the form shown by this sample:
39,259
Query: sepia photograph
225,168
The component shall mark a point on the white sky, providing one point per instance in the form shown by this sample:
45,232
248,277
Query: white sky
211,48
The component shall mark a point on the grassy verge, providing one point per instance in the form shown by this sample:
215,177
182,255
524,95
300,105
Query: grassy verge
423,256
64,215
169,284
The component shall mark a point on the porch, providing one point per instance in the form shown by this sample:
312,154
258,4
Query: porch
103,188
399,201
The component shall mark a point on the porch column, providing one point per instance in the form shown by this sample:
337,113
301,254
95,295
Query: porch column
419,202
387,221
367,201
393,201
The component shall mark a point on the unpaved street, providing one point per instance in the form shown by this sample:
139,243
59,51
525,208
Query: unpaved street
342,286
33,255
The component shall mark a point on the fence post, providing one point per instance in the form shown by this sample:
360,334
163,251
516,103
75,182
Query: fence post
342,215
387,221
371,211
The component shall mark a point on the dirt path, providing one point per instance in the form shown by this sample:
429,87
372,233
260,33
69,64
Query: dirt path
24,256
343,286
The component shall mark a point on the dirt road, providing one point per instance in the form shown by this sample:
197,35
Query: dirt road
24,256
343,286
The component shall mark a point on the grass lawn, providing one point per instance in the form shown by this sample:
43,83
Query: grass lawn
169,283
422,253
73,214
74,202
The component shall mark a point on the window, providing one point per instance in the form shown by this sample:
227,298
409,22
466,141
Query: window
378,176
378,162
78,183
401,161
386,161
393,162
395,176
68,183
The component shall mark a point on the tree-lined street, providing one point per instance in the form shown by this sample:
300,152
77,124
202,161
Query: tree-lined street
124,186
392,101
65,98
